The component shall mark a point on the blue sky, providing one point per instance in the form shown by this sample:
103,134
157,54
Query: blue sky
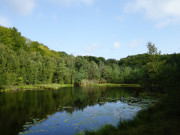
106,28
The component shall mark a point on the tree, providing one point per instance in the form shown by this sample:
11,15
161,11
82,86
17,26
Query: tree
152,50
93,72
115,74
60,72
125,74
70,62
107,73
153,68
9,66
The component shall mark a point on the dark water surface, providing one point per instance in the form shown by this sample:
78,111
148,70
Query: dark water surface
67,110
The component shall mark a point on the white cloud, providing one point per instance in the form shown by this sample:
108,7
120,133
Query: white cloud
164,12
91,48
166,22
21,7
4,21
136,43
72,2
116,45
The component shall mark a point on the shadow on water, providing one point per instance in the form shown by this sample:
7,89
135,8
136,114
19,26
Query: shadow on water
67,110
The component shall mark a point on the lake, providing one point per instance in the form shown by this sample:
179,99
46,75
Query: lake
67,110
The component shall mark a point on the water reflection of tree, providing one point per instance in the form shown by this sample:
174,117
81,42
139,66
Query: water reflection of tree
20,107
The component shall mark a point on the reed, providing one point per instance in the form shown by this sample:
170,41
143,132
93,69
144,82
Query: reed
85,82
37,87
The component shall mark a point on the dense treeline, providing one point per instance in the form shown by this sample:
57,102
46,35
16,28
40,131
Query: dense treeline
23,61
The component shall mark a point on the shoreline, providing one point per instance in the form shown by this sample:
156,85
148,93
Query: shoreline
36,87
118,85
159,117
58,86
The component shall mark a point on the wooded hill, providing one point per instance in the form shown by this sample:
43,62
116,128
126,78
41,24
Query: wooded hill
23,61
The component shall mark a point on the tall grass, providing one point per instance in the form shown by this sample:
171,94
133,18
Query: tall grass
118,85
85,82
37,87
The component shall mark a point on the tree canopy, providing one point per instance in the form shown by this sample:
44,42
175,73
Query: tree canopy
23,61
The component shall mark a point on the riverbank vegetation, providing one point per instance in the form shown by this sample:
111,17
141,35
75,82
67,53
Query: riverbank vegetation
118,85
37,87
160,119
26,62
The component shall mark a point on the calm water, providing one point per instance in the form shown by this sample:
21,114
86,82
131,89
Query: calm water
67,111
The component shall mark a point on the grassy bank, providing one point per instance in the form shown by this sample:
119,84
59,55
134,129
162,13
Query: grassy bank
117,85
160,119
86,83
57,86
35,87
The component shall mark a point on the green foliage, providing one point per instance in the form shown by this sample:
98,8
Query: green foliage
93,72
23,61
107,130
115,75
152,50
106,73
9,66
161,118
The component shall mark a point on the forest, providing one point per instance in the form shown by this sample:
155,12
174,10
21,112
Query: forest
26,62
